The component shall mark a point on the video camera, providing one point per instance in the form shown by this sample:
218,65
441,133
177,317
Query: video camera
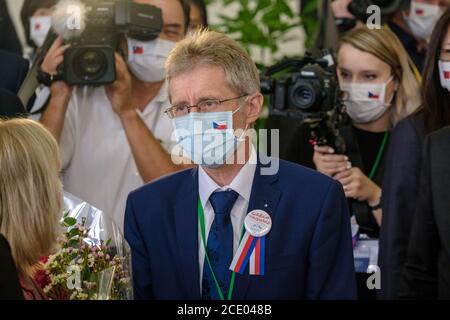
309,91
358,8
91,58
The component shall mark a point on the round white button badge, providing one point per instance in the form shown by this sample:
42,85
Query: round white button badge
258,223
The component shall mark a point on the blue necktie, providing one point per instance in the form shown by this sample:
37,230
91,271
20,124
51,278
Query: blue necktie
220,246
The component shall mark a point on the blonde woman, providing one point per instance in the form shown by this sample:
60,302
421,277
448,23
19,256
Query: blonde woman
377,76
30,196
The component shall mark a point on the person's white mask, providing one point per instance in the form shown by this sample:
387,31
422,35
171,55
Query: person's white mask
422,19
444,74
39,27
208,138
366,102
146,60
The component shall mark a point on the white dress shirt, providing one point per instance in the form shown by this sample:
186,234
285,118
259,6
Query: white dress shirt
97,162
242,184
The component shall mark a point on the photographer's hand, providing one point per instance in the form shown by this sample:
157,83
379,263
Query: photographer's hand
54,57
119,92
329,163
53,116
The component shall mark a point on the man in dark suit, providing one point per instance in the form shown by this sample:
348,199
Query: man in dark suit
14,69
9,40
10,105
233,227
426,274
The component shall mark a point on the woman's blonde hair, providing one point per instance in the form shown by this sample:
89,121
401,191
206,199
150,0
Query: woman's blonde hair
30,191
384,44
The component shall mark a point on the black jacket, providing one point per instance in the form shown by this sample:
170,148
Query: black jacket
9,283
426,274
14,69
10,105
400,188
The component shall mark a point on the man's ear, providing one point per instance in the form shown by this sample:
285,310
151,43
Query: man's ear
254,107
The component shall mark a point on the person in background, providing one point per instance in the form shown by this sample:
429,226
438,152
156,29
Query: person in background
115,138
10,105
14,70
414,25
9,41
36,17
31,196
426,272
401,183
377,75
198,15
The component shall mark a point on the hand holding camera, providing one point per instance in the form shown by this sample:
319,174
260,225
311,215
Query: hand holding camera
119,92
54,58
329,163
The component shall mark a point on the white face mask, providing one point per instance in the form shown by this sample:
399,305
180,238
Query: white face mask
39,27
444,74
423,18
146,60
366,102
208,138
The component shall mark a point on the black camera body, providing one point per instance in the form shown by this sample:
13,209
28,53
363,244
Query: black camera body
90,60
310,93
358,8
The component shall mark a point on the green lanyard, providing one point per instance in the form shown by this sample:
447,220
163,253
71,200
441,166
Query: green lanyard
380,154
201,218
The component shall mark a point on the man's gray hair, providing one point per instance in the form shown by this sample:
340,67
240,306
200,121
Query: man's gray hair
209,48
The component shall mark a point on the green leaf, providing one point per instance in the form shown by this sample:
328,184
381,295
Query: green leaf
73,233
70,222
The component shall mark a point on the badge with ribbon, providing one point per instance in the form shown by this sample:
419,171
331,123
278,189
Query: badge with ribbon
251,250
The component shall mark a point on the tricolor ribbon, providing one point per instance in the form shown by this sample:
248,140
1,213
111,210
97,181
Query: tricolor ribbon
250,250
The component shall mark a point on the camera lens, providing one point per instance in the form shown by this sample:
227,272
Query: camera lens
303,96
90,64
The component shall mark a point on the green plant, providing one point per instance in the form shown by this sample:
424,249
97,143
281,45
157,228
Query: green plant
263,26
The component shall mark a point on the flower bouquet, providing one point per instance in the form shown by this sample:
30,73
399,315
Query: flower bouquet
93,260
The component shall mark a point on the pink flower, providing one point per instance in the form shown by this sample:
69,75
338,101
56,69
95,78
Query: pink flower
42,279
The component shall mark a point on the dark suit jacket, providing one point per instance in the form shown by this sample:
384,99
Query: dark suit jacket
308,251
427,268
10,105
14,69
9,283
400,188
9,40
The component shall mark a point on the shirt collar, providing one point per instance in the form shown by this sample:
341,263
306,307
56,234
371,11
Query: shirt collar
240,183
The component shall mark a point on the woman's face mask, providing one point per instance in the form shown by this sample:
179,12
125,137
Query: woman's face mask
39,27
422,19
366,101
146,60
444,74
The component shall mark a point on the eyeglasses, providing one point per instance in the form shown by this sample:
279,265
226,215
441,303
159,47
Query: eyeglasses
208,105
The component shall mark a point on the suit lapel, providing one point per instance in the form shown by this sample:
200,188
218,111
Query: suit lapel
186,225
264,197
